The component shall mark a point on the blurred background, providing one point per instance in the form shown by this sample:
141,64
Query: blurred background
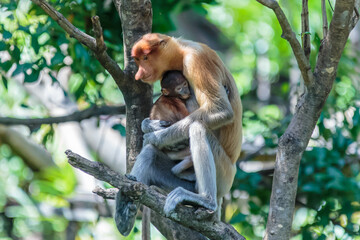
45,73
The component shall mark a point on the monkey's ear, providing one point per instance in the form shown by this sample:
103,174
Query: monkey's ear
164,91
153,45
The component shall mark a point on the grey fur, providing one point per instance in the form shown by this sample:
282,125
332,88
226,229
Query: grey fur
153,167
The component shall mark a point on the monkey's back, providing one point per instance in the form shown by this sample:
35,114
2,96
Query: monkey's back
211,78
170,109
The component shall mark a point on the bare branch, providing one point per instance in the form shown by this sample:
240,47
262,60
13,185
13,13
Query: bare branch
324,18
96,45
73,117
188,216
100,44
106,193
145,225
290,36
305,29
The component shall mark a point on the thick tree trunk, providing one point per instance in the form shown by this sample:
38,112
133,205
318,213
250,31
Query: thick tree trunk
136,20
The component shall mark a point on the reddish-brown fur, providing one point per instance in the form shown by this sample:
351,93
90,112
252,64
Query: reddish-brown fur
170,109
171,105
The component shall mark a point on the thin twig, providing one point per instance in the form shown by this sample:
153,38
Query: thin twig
187,216
73,117
100,44
289,35
305,29
324,18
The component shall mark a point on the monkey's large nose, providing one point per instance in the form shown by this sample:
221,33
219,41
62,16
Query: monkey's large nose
139,75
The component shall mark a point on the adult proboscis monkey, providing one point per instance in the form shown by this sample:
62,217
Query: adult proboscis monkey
214,127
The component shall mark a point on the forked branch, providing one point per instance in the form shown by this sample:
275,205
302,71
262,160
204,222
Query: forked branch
196,219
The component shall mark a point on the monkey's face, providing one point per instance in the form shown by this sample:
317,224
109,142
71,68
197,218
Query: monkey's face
147,53
183,90
148,71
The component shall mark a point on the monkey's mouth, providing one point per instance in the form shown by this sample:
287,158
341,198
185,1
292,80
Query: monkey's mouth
185,97
145,78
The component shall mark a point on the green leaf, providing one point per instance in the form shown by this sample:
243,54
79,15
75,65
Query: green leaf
238,218
6,65
6,34
35,44
120,128
58,58
25,29
2,46
33,77
21,68
16,54
322,237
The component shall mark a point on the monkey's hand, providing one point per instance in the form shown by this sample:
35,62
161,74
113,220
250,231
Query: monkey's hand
148,125
153,138
181,195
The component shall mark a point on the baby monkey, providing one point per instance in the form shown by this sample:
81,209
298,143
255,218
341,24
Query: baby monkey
171,107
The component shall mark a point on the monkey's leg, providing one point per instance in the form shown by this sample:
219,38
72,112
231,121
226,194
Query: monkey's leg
178,155
179,169
214,172
151,167
204,166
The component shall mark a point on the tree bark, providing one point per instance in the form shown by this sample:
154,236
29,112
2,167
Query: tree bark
136,20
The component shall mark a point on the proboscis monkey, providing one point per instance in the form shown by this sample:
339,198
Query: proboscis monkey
214,128
171,107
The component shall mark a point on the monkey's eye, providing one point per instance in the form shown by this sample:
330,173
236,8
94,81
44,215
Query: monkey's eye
178,89
136,59
145,58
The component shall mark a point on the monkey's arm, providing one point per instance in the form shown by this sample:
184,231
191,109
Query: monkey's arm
218,115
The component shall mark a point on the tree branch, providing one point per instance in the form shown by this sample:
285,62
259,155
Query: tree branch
305,29
106,193
97,46
290,36
324,18
73,117
196,219
296,137
66,25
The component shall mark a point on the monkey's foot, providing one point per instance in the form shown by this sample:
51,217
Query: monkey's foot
131,177
125,213
181,195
